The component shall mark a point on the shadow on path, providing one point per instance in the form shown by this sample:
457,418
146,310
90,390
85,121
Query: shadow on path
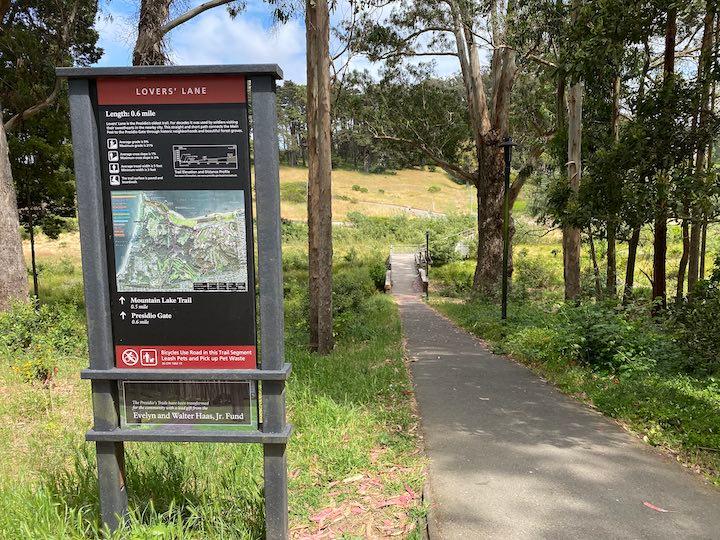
511,457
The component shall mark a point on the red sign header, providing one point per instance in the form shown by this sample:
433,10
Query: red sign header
171,89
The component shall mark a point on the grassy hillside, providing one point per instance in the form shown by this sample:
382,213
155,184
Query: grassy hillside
410,191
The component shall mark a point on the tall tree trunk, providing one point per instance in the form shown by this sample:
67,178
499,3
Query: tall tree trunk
13,273
705,76
611,280
317,21
630,268
596,267
659,281
149,46
683,260
703,247
571,234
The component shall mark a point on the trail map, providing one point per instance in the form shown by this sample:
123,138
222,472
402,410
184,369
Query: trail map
184,241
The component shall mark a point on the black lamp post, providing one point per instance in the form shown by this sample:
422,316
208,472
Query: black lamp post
507,145
427,264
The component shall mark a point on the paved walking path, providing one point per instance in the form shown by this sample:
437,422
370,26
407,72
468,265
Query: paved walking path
511,457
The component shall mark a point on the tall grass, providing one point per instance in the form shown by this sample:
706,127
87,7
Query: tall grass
351,411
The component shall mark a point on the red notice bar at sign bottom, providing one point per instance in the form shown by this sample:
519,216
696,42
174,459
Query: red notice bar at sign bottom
186,356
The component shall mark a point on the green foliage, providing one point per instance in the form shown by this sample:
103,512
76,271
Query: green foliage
55,328
532,274
454,279
361,189
695,323
602,338
37,37
294,192
434,189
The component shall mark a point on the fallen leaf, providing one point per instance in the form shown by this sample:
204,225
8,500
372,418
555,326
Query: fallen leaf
400,500
653,507
354,478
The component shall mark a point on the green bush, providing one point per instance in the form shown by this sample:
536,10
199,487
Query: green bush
352,286
294,192
361,189
601,337
455,279
532,273
696,325
57,327
434,189
38,364
293,230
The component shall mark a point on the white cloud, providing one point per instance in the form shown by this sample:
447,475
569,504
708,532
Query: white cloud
217,39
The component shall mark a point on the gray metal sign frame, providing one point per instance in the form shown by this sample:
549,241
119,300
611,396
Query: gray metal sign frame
273,432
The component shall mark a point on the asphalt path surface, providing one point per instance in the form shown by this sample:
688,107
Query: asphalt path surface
512,457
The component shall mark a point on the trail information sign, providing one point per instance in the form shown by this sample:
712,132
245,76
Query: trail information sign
176,182
165,205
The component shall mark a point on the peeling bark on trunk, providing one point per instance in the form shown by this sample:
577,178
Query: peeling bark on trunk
13,273
149,46
630,268
571,235
319,176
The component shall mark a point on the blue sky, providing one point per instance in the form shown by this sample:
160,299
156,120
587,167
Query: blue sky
211,38
214,38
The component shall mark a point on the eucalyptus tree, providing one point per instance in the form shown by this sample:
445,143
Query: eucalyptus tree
319,154
470,32
35,37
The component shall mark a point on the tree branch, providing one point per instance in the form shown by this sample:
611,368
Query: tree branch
447,166
540,60
679,54
395,54
38,107
524,174
50,99
191,13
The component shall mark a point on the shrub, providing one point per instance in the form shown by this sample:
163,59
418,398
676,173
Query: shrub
531,273
434,189
39,364
56,327
455,279
292,230
695,324
352,286
294,192
600,337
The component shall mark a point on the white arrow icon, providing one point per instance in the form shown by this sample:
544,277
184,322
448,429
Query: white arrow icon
123,315
122,300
